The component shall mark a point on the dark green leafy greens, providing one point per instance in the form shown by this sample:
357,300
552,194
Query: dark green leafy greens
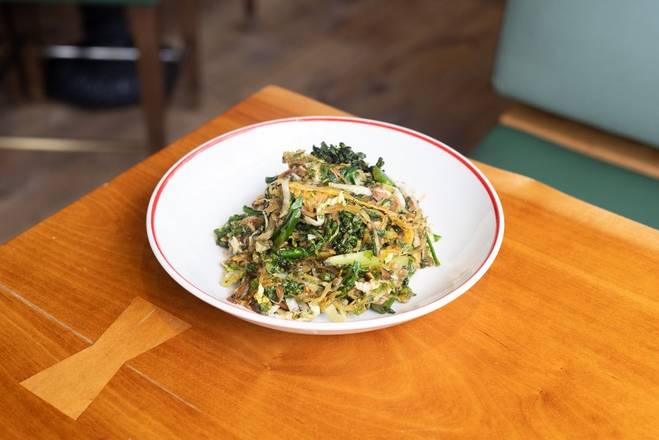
341,154
351,231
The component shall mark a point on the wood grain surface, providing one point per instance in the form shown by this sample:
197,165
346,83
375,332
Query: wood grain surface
560,339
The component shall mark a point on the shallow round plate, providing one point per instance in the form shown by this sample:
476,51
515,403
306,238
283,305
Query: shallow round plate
215,180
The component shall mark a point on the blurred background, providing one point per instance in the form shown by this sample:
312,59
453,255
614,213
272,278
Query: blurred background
425,64
90,87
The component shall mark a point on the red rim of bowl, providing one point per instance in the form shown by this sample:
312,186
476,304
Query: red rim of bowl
326,326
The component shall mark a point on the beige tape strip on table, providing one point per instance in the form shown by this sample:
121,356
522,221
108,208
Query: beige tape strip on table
72,384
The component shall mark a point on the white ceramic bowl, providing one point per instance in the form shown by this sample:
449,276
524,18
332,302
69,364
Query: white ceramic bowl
215,180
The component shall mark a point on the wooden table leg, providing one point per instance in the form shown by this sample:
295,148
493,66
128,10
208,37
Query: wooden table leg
187,12
145,27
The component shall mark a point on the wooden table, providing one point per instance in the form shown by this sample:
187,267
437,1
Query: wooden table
559,339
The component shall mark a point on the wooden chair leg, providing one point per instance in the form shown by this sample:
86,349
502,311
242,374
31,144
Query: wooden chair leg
34,70
187,12
24,28
145,27
249,7
12,72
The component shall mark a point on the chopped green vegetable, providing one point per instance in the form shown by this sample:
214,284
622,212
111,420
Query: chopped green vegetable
349,174
231,228
432,250
379,176
350,276
364,258
277,264
384,307
251,211
292,288
327,175
351,231
271,293
293,253
250,267
286,229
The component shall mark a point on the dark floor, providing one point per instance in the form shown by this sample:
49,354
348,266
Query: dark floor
421,63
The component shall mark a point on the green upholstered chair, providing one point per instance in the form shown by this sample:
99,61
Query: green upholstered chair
594,62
